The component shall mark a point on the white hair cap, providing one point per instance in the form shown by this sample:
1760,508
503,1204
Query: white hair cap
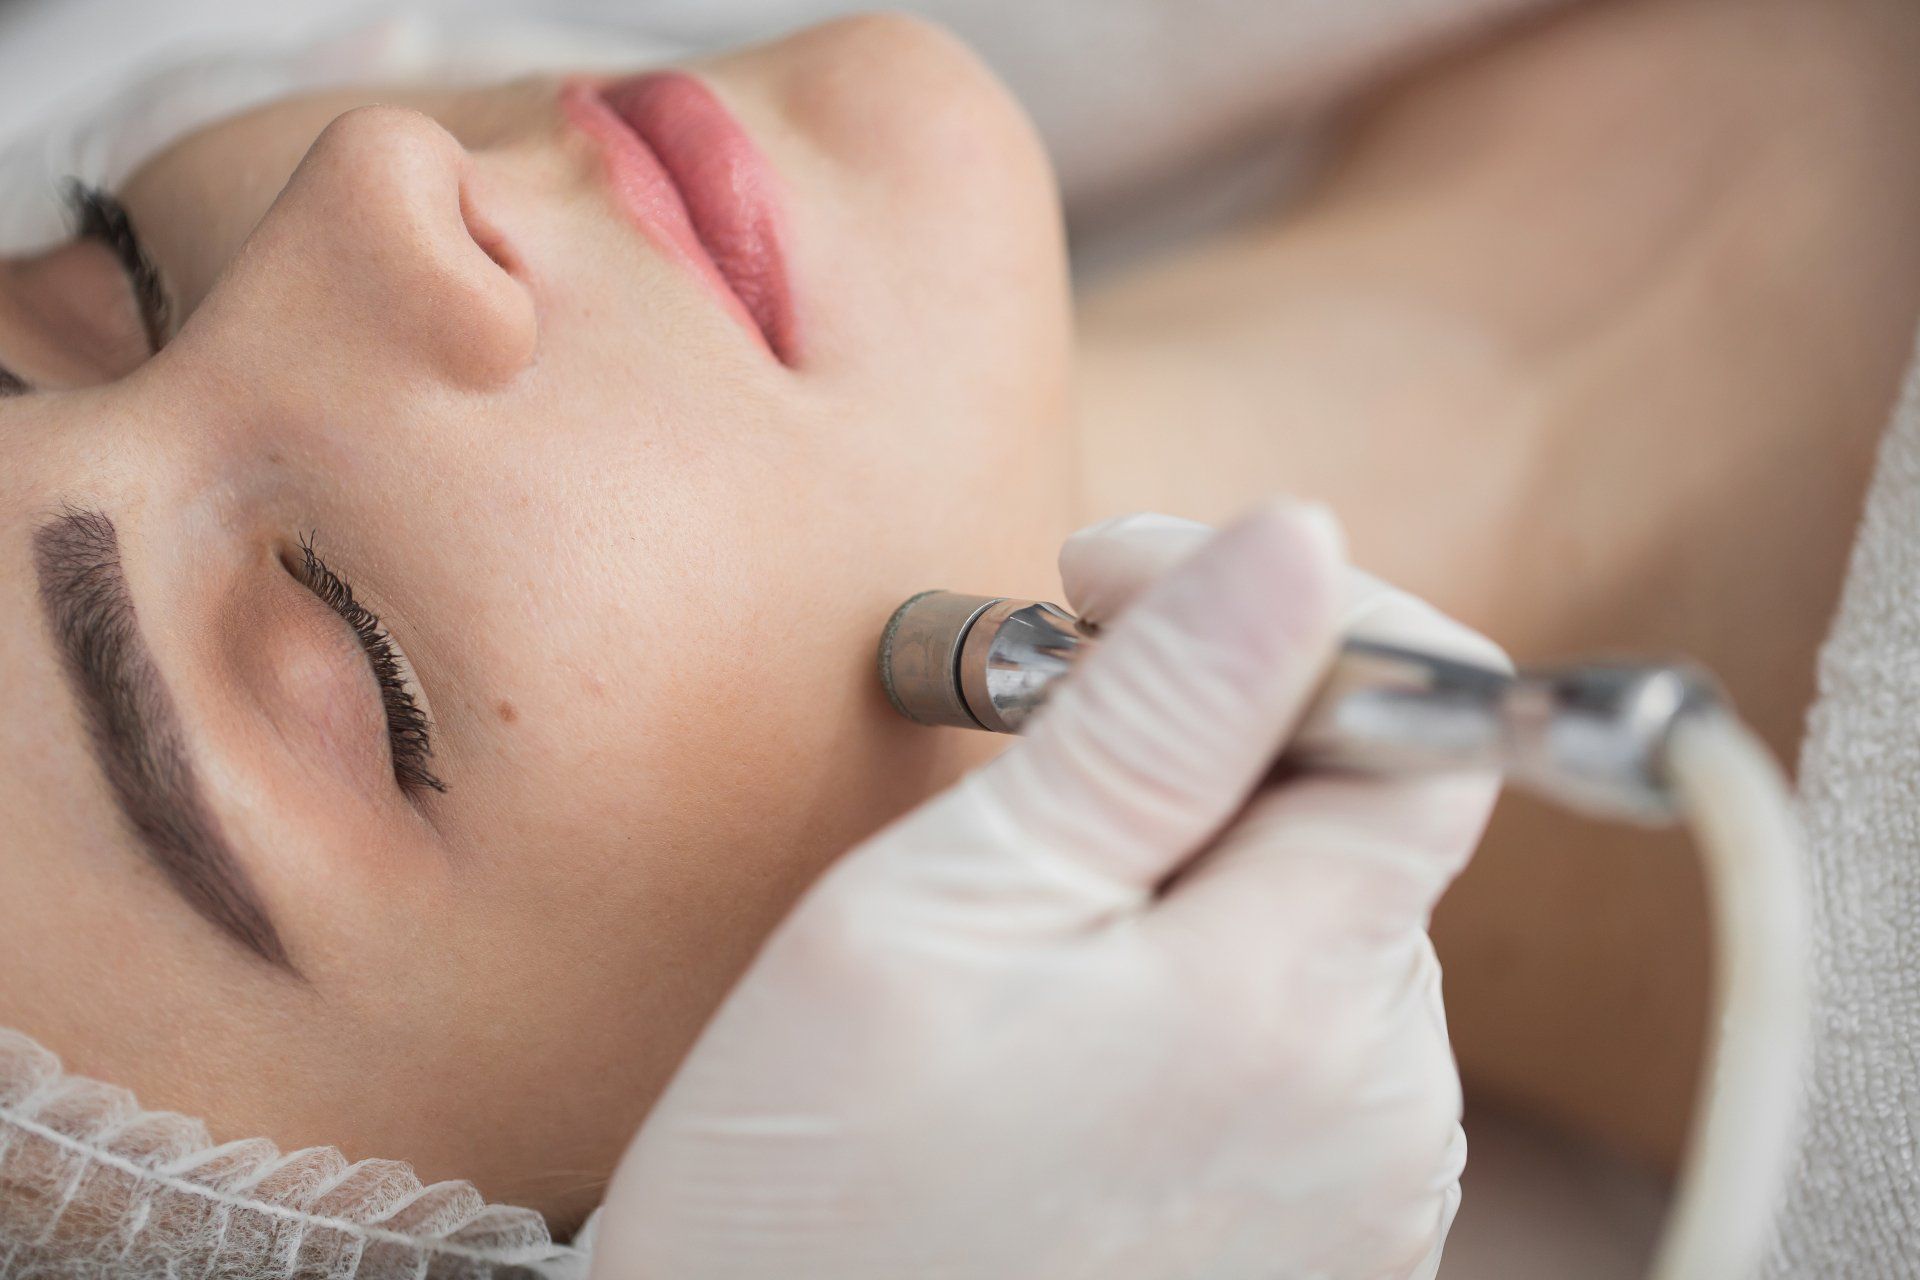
93,1187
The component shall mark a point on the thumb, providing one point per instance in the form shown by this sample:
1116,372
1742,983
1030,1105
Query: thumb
1156,740
1105,567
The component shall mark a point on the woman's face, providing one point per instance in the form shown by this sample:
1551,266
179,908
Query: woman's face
632,521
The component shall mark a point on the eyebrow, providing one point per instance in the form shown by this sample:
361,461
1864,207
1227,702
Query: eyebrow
132,727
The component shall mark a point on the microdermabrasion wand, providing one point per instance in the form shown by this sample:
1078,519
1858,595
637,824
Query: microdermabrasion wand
1593,736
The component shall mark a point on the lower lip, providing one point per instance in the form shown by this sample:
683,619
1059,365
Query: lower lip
691,178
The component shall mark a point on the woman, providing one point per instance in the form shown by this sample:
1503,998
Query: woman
628,533
629,548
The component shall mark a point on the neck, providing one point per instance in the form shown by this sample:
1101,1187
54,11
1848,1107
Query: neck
1552,351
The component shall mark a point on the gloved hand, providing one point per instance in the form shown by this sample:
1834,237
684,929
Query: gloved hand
1092,1012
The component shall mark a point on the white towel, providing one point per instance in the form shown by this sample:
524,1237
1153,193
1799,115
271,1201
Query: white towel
1854,1208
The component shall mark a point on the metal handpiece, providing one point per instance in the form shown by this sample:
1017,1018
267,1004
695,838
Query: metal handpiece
1591,735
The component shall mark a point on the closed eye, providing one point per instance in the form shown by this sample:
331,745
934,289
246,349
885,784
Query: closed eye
409,731
100,217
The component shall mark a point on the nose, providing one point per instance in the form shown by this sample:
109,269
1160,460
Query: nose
380,233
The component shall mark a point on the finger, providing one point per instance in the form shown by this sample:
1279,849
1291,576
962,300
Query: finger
1363,856
1446,1205
1375,610
1159,735
1346,860
1106,566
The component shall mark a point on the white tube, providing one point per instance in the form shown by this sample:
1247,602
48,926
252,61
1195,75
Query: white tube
1745,1121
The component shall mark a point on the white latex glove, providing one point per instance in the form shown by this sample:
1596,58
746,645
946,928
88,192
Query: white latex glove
1091,1013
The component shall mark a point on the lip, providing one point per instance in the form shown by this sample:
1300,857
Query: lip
695,184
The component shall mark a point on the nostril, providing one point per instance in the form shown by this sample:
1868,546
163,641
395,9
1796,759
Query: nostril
422,261
487,236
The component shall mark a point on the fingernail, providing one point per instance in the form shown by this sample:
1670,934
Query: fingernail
1377,611
1137,522
1321,525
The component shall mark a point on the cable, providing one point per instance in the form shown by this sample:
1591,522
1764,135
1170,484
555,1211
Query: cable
1745,1123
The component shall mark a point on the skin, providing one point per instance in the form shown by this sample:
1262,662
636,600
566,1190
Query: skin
1514,282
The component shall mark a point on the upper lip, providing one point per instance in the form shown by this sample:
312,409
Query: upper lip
686,172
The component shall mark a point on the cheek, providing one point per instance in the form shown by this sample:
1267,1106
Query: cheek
954,282
776,718
716,723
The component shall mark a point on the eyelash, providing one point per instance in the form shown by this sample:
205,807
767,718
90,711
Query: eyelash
409,733
101,217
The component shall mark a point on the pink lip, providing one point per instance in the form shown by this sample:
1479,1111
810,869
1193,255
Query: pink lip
693,181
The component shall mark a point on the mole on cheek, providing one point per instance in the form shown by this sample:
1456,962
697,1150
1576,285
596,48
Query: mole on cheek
506,712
